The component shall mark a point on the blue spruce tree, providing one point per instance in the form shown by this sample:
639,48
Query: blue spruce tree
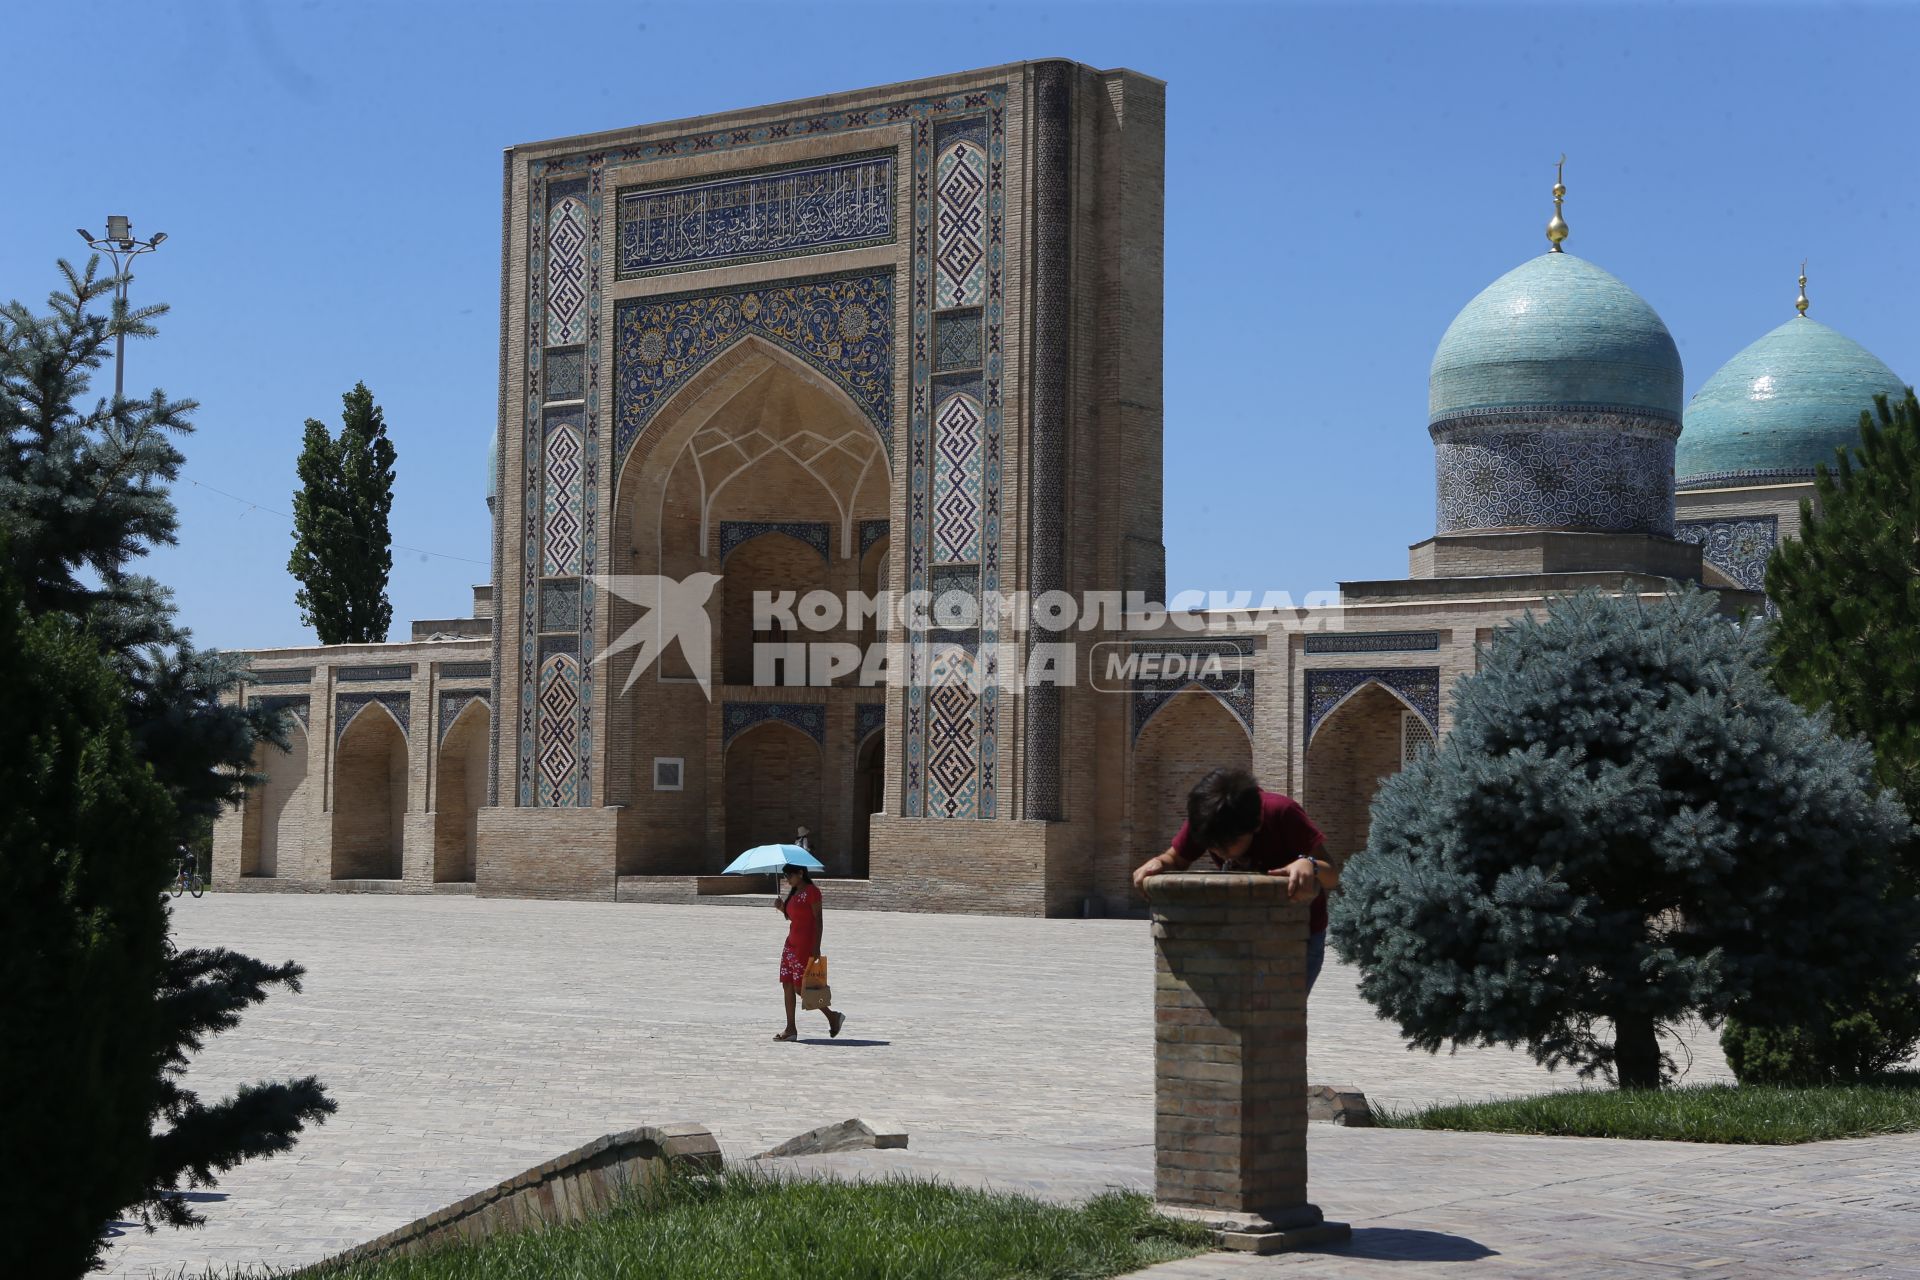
1626,825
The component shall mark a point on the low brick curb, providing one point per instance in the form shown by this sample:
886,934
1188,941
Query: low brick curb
568,1188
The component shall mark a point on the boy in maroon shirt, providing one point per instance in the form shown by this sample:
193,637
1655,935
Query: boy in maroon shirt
1242,828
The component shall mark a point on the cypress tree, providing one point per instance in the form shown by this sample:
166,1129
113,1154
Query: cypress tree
1627,825
343,551
122,740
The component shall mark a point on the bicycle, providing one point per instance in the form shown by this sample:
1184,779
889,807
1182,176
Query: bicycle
188,881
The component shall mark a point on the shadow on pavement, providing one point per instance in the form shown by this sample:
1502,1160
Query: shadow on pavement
1402,1244
845,1044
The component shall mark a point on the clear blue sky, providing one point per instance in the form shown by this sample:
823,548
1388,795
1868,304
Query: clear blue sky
1340,181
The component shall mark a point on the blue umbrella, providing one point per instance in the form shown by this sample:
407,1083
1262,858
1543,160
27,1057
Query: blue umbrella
772,857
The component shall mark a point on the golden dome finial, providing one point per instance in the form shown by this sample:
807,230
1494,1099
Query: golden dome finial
1557,229
1800,303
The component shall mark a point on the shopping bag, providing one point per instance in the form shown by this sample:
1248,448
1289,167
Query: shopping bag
814,991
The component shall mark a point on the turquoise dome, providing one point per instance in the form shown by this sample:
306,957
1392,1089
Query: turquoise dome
1779,407
1556,332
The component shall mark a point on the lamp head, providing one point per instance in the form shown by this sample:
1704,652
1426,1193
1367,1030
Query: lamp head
119,227
158,236
85,234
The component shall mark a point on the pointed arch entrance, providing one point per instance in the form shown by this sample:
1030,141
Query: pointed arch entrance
1356,745
1189,736
460,792
762,472
274,822
369,796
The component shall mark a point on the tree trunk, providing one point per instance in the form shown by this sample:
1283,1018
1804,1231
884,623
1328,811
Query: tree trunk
1636,1052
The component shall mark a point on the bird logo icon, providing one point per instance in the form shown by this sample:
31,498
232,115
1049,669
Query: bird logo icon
671,609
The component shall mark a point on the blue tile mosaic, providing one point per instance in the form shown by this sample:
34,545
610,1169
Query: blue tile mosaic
294,703
809,718
1553,469
453,702
1373,641
809,207
1739,548
1418,687
871,531
868,717
840,325
348,705
734,533
390,671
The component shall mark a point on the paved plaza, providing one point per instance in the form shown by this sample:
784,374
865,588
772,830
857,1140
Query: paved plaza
466,1040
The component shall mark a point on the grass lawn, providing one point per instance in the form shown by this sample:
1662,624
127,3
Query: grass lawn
1698,1113
745,1225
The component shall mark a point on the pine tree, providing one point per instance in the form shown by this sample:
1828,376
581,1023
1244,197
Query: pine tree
1848,594
342,549
1847,641
1626,825
97,985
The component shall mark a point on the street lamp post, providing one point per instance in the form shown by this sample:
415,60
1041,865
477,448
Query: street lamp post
120,245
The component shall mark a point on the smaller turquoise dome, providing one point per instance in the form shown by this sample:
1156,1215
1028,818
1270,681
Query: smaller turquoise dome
1556,332
1780,407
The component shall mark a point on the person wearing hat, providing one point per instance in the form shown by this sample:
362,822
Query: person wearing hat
805,918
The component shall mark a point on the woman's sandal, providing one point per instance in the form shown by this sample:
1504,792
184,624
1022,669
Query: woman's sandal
788,1035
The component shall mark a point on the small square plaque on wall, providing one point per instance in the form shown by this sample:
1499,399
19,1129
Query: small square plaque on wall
666,772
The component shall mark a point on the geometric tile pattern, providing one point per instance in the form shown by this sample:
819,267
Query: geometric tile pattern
567,273
957,450
1739,547
562,498
1578,470
1416,736
953,774
950,757
960,256
465,670
1373,642
392,671
294,702
559,741
560,605
453,702
840,325
808,207
871,531
348,705
868,717
809,718
1418,687
735,532
956,340
281,675
566,375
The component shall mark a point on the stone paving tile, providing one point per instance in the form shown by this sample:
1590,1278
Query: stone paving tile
467,1039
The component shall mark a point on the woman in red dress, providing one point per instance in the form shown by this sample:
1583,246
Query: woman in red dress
803,910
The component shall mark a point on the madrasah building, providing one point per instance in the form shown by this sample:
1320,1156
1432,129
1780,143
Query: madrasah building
745,352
